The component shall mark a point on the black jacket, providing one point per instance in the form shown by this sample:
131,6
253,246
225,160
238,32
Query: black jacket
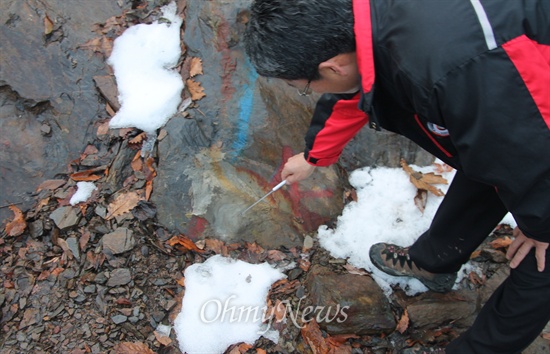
468,80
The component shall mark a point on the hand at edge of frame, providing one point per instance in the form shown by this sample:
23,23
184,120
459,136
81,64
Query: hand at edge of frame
521,246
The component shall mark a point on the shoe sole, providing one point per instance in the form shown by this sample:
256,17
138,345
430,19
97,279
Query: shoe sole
442,284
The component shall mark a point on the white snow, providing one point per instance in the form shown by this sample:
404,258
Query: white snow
142,59
83,192
224,304
385,212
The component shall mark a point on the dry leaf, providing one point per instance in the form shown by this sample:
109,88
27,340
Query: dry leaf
432,178
132,348
162,339
110,111
420,199
501,242
181,281
196,67
244,347
87,175
417,179
215,245
195,89
475,279
122,204
17,226
148,190
150,172
403,322
138,138
475,254
48,25
185,243
279,311
314,338
50,184
103,129
546,336
260,351
137,162
353,270
84,239
442,168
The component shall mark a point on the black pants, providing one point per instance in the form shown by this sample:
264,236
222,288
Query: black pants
520,308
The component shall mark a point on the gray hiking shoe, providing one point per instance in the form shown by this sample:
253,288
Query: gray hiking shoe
395,260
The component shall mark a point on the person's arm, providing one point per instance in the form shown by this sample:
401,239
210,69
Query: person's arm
336,120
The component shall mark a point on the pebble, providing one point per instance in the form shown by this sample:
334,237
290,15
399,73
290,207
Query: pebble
119,241
121,276
65,217
72,242
90,289
118,319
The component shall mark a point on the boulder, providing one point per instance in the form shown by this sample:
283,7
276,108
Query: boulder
349,303
232,145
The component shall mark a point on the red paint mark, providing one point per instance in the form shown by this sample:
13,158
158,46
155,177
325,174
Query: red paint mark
310,221
228,63
195,227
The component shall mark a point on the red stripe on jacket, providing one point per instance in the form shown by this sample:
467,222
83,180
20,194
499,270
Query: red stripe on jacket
532,60
343,124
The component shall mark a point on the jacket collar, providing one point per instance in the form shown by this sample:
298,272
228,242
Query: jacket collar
365,58
363,40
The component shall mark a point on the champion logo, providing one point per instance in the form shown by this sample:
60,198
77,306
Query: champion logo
438,130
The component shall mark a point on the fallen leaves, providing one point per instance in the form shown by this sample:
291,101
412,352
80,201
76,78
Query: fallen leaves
132,348
424,183
196,67
183,244
501,242
48,25
403,322
88,175
195,89
18,225
122,204
320,344
424,180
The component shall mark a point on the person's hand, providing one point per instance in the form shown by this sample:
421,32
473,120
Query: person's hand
521,246
296,169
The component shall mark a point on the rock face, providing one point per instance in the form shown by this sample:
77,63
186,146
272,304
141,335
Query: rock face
232,148
227,153
48,100
351,303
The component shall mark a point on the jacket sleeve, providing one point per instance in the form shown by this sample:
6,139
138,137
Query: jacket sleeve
497,110
336,120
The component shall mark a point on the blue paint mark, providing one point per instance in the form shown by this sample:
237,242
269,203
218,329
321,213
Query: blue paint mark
246,103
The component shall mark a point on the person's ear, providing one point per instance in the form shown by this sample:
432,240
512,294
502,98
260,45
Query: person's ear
339,65
331,67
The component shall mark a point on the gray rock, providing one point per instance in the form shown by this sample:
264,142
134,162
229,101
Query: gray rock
72,242
57,91
349,303
121,276
118,319
118,241
433,309
230,150
65,217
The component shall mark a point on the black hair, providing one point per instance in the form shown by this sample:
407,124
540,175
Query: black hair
288,39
